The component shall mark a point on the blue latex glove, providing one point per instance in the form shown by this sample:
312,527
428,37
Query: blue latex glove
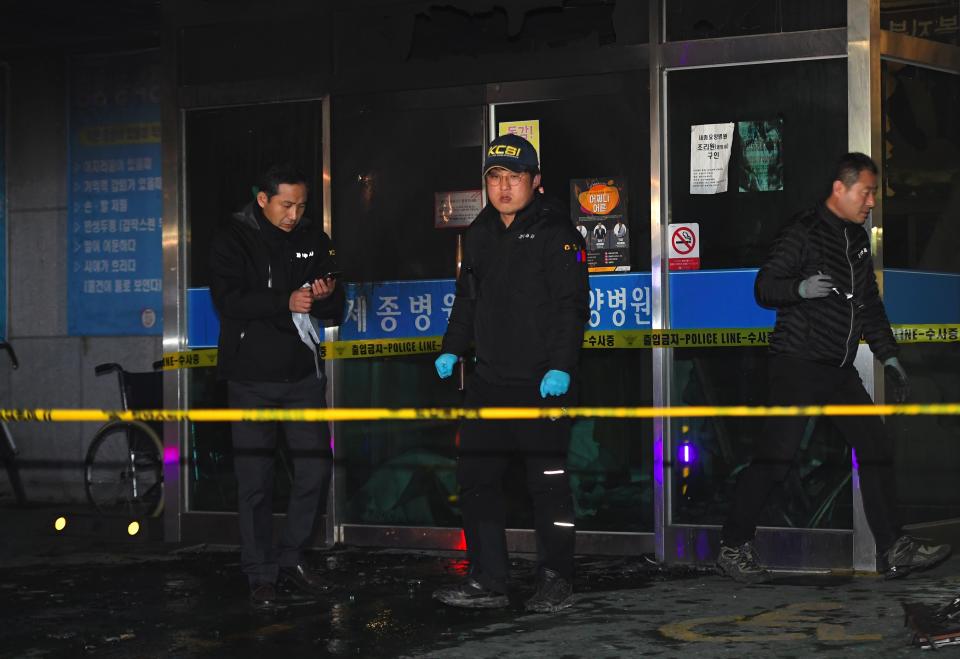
554,383
898,378
444,364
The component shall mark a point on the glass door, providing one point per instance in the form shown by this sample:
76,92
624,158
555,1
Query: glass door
747,148
921,283
593,138
396,157
226,149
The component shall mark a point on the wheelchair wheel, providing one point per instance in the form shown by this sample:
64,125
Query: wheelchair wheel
123,471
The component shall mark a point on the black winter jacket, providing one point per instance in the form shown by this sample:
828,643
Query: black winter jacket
254,267
827,329
522,296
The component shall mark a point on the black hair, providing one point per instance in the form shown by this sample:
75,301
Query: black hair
276,175
850,165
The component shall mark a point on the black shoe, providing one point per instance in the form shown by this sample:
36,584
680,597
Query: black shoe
471,595
950,613
741,564
263,596
909,555
553,593
303,579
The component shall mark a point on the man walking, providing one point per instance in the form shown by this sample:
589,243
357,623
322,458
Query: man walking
820,279
522,300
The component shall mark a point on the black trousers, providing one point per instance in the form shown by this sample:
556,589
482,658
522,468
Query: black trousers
486,449
801,382
254,445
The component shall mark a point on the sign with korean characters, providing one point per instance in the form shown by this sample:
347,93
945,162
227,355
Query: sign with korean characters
383,310
937,21
456,209
115,202
684,246
598,207
710,157
528,130
417,309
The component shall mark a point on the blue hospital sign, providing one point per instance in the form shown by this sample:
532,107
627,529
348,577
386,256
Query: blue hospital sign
115,200
406,309
397,309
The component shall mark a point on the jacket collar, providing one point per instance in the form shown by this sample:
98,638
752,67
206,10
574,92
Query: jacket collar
250,216
828,216
524,216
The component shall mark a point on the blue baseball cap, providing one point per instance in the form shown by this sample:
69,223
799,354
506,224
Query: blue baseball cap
511,152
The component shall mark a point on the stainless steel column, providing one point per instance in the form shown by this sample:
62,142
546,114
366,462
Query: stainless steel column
662,359
865,135
174,292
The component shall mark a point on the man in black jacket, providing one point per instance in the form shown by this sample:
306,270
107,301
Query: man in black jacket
522,300
820,280
272,276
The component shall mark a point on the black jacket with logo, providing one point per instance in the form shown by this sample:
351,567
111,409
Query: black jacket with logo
522,296
254,267
827,329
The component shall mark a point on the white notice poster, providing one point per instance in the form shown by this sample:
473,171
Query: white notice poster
710,157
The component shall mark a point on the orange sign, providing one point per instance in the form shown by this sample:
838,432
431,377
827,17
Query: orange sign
599,199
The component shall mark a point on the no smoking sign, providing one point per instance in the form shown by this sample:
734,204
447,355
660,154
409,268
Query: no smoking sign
684,246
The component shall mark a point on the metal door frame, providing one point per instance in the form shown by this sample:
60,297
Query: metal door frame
518,540
863,44
921,53
181,523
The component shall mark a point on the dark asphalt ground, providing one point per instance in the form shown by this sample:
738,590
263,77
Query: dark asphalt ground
101,595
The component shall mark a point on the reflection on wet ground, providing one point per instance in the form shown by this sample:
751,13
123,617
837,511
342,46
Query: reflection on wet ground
195,605
88,595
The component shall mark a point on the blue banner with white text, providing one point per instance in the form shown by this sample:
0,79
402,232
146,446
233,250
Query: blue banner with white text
699,300
115,200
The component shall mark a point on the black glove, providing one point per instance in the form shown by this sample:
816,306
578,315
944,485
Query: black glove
900,387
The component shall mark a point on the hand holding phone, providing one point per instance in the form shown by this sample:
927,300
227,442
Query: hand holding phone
323,287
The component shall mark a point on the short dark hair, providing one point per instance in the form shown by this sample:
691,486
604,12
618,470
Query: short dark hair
850,165
276,175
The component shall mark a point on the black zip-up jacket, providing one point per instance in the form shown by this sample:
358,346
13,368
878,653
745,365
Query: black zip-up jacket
522,295
826,329
254,267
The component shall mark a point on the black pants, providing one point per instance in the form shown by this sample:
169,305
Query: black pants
486,449
801,382
254,445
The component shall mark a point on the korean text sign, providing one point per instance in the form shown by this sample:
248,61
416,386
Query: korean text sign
115,201
402,309
710,157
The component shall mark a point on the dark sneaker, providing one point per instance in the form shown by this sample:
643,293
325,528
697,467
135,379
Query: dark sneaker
910,555
741,564
471,595
303,579
949,613
263,596
553,593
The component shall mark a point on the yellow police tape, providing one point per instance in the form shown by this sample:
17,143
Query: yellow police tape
489,413
626,339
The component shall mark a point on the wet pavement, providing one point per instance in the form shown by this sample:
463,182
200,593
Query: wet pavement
103,596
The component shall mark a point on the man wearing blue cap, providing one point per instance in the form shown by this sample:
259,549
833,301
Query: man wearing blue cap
522,301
